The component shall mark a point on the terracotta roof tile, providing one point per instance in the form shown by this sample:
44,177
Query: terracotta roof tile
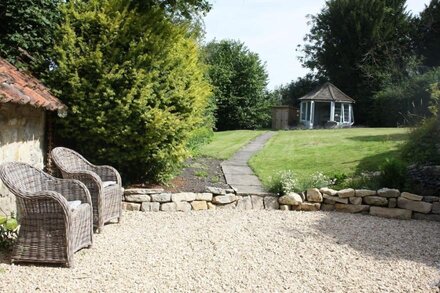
21,88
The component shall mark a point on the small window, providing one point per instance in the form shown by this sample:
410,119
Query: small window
303,111
307,111
346,113
338,112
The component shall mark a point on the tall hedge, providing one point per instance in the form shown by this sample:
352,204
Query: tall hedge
134,83
423,144
407,102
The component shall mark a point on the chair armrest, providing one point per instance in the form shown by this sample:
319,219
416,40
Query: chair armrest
108,173
48,195
92,181
71,189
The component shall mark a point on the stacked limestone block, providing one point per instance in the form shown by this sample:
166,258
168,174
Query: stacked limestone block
154,200
385,202
307,201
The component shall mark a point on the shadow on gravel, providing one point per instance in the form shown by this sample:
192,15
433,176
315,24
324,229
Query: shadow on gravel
413,240
5,257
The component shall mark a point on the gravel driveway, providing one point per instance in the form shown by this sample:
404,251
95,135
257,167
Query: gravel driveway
253,251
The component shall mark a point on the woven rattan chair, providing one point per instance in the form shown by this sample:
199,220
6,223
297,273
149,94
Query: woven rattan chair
55,215
103,182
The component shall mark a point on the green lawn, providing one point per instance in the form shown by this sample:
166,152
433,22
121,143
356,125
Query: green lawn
226,143
337,151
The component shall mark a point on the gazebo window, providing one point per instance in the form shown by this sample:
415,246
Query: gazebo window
338,112
346,113
303,111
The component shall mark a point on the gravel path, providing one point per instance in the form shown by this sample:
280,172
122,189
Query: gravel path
254,251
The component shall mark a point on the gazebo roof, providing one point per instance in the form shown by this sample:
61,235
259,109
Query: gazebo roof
327,92
21,88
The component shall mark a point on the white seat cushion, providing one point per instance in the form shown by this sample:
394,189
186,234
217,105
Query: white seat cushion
73,204
108,183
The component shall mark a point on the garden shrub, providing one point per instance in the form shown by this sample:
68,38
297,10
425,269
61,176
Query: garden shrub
8,231
286,181
361,181
423,144
135,85
407,102
393,174
317,180
283,182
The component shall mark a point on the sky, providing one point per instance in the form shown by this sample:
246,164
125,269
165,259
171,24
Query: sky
271,28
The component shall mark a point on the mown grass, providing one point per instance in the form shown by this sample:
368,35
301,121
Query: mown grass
226,143
338,151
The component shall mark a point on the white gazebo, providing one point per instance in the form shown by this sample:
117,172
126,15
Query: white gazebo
326,106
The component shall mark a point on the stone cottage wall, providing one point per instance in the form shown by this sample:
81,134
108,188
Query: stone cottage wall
21,139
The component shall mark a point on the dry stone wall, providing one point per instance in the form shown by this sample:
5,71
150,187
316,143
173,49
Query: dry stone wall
154,200
385,202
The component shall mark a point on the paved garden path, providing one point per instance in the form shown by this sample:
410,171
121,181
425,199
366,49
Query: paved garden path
237,171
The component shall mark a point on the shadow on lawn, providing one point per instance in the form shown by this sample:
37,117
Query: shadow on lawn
386,239
385,137
372,163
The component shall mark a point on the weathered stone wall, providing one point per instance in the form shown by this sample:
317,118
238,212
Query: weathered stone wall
153,200
21,139
388,203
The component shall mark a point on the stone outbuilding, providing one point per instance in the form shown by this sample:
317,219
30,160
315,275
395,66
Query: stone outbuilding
24,102
326,106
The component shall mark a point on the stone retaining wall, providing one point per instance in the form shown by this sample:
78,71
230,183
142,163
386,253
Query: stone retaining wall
153,200
388,203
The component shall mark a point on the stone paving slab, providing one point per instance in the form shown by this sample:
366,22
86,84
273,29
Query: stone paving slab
242,180
251,190
236,169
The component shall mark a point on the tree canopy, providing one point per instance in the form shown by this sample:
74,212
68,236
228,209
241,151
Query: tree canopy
428,34
360,45
290,93
27,32
239,80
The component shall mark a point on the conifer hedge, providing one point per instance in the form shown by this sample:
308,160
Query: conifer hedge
134,84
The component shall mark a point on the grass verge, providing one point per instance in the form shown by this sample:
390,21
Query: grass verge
225,143
338,151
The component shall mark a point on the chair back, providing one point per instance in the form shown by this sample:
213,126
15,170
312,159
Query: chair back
21,177
68,160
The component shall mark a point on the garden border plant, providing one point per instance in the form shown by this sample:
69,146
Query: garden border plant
8,230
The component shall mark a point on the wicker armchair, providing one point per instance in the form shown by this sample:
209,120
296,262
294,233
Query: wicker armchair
103,182
55,215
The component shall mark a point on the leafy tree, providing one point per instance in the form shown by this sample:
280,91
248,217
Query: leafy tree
239,79
27,30
360,45
407,102
134,83
290,93
428,34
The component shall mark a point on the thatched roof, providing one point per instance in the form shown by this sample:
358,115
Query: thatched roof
327,92
21,88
